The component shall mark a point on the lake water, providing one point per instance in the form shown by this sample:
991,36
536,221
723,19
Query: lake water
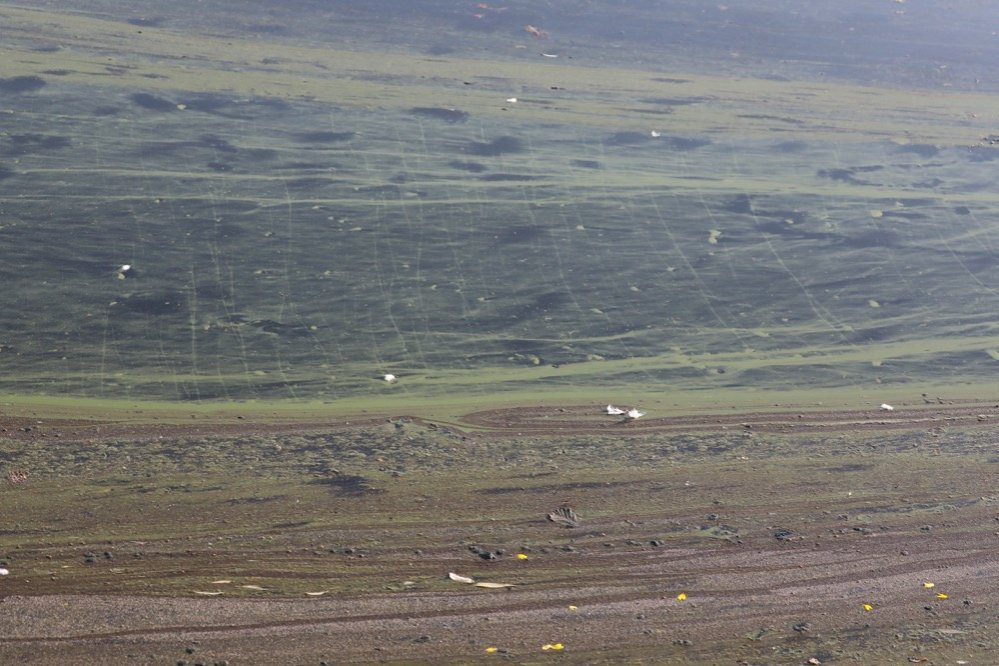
634,196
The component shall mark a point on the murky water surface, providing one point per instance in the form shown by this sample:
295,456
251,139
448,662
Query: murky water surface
291,202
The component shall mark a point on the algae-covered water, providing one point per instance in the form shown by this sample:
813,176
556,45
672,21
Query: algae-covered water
311,195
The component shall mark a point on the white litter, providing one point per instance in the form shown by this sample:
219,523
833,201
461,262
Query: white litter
885,407
615,411
512,100
634,414
4,572
390,378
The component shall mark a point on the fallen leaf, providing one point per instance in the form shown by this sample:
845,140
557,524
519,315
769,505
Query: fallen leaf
458,578
206,594
681,597
572,608
491,649
868,607
941,595
521,556
928,585
553,646
493,586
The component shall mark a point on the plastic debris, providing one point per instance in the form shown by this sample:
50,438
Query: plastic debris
458,578
4,572
633,413
511,100
317,594
885,407
206,594
573,608
390,378
615,411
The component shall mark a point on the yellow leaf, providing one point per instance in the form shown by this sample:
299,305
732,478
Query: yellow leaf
868,607
681,597
572,608
521,556
490,649
553,646
941,595
928,585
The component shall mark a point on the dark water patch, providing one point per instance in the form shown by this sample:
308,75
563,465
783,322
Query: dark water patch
741,204
674,101
521,233
282,330
269,29
307,184
849,175
910,202
440,49
471,167
220,105
24,144
501,146
512,177
348,485
323,136
587,164
662,79
6,173
439,113
155,304
920,149
929,184
59,72
682,142
791,146
219,167
216,143
107,111
874,238
761,116
152,102
21,84
982,154
628,138
146,21
962,210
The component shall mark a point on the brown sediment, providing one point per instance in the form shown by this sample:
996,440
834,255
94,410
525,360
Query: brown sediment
777,526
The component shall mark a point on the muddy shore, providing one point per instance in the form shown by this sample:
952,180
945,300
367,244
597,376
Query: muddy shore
778,537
